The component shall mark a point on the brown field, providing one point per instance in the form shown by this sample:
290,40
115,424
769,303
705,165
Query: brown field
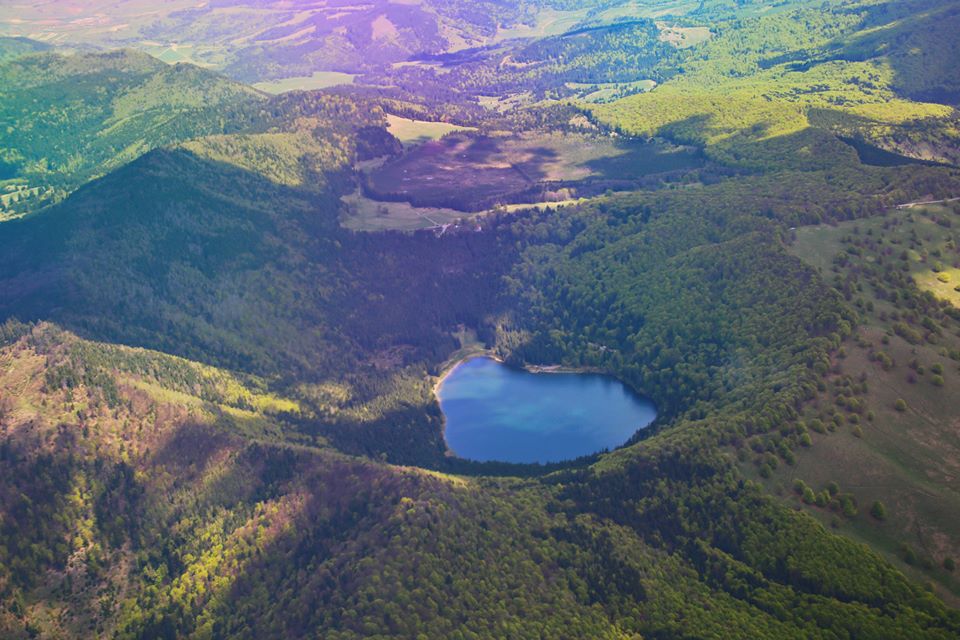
472,173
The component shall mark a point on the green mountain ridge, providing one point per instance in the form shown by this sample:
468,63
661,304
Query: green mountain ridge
102,110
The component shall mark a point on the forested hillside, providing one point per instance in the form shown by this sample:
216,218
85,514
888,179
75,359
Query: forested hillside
217,403
70,119
11,48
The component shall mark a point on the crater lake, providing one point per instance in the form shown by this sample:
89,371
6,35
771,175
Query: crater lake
497,412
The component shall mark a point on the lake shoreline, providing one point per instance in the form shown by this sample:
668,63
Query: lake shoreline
453,363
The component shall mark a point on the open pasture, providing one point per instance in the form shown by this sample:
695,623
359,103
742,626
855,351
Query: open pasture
363,214
683,37
898,443
412,132
318,80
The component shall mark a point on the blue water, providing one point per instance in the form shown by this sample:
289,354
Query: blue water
496,412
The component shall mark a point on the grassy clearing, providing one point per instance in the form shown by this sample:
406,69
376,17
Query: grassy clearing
502,104
541,206
683,37
365,214
549,22
607,91
906,457
922,234
413,132
435,67
175,53
319,80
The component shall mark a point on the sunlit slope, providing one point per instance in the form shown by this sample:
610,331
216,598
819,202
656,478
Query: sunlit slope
771,92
